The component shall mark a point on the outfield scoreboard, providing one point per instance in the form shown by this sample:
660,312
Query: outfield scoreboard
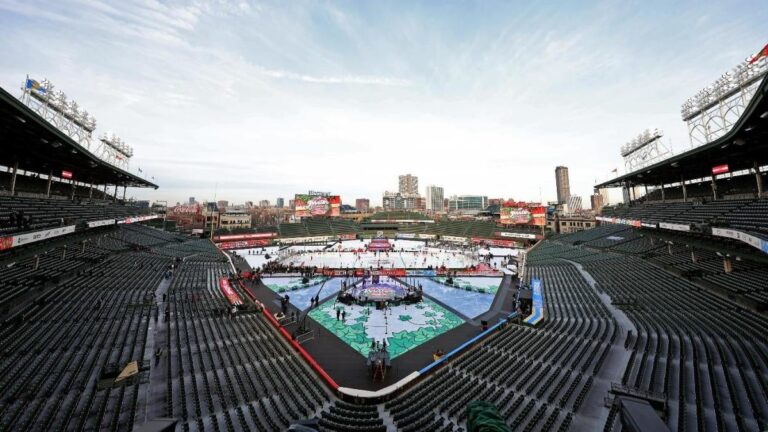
316,204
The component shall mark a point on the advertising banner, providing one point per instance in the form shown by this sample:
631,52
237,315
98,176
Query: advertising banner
538,303
389,272
229,292
17,240
539,215
514,215
453,239
134,219
526,236
243,244
347,236
405,235
98,223
296,240
495,242
234,237
26,238
426,236
425,273
402,221
674,226
720,169
749,239
185,209
317,205
6,243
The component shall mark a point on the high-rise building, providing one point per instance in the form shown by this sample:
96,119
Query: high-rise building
191,200
279,203
264,203
596,200
563,185
434,198
363,205
408,185
292,204
223,204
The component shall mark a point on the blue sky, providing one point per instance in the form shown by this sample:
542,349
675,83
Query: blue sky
268,99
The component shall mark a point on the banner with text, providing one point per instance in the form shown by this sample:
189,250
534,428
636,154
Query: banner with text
237,237
749,239
526,236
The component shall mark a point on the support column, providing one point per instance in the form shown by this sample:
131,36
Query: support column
124,189
694,258
758,180
714,188
90,193
13,177
663,198
685,192
74,186
114,198
37,262
727,265
105,192
48,187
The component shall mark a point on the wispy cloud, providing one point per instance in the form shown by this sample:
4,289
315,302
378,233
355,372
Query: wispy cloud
271,98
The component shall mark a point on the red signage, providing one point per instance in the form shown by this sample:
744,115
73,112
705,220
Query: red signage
494,242
234,237
539,215
66,174
243,244
229,292
720,169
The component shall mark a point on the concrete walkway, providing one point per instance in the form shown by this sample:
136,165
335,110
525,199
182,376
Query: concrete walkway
616,361
158,373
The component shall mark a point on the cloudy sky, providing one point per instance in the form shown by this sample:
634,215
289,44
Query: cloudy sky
255,100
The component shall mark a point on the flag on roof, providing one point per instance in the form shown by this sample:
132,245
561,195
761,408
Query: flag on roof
34,85
615,170
140,170
763,53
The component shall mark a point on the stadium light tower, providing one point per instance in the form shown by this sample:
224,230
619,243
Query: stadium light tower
112,149
713,111
644,150
65,115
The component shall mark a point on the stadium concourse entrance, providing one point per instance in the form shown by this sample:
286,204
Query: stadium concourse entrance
368,330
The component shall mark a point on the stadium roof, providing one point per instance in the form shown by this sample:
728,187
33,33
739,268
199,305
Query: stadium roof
745,144
40,147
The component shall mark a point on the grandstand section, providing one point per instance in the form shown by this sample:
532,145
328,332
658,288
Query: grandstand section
703,355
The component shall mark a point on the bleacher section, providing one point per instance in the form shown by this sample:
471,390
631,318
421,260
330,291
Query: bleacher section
59,359
398,215
51,212
310,227
746,214
678,257
706,355
539,378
